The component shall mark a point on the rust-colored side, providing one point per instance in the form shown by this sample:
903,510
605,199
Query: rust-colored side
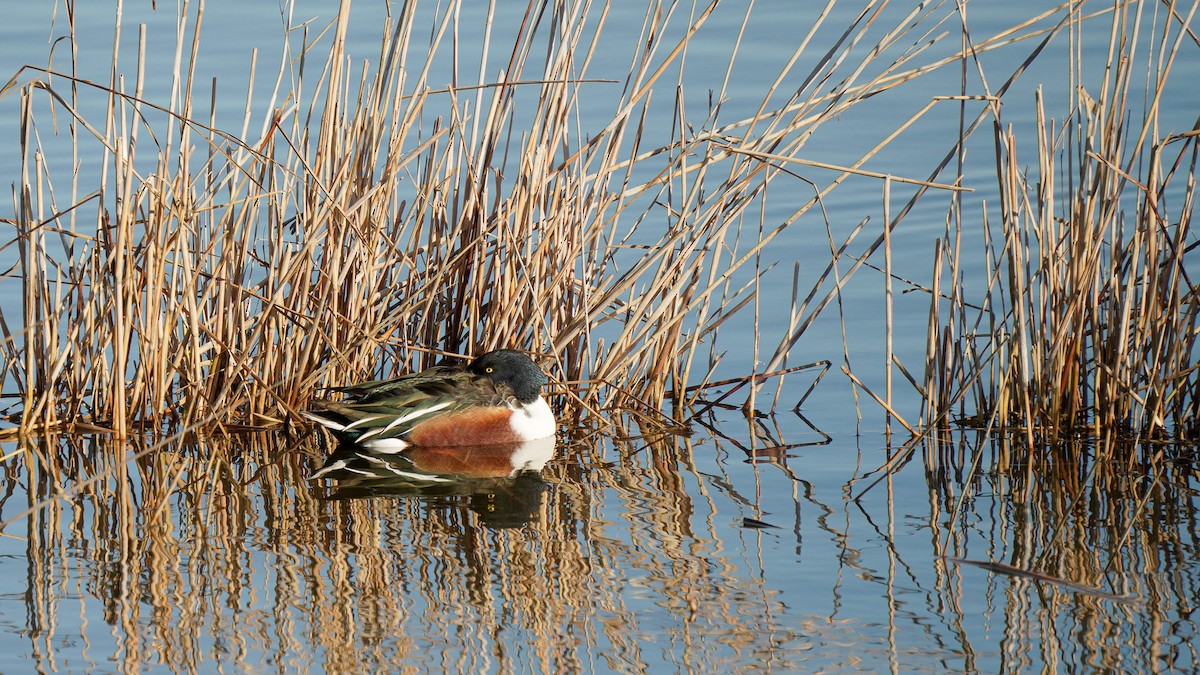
475,426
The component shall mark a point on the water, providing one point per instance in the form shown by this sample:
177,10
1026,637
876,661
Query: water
624,554
621,556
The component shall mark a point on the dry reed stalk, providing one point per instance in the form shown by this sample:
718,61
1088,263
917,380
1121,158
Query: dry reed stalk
1089,323
380,220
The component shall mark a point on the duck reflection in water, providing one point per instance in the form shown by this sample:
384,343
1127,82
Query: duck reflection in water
501,482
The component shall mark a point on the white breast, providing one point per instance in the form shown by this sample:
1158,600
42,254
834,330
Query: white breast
534,420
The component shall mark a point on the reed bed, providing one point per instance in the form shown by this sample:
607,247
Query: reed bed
371,219
1085,320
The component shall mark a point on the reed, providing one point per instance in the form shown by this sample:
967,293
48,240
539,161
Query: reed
1085,318
370,220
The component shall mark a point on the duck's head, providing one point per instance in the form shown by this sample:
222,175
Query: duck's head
512,368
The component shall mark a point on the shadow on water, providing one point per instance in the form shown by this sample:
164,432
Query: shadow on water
729,554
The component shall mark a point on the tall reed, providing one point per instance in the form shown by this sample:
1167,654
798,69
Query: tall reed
379,218
1087,320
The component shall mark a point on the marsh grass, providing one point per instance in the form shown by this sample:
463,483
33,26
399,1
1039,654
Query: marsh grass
378,220
1087,319
371,219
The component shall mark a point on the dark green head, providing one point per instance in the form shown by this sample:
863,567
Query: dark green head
505,366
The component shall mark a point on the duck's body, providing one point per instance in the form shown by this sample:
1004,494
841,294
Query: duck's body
495,399
419,465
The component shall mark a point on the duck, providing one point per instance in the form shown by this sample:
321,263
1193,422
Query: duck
496,398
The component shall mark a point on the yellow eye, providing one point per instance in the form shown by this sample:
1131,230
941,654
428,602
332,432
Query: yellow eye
489,369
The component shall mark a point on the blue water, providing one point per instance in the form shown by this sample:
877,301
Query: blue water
629,556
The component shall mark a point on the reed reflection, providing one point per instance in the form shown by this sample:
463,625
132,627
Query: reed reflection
221,551
158,549
224,553
1083,555
501,482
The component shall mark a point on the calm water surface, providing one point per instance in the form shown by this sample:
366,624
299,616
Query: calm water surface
768,545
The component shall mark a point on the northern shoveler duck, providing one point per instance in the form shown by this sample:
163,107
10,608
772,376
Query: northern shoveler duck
497,398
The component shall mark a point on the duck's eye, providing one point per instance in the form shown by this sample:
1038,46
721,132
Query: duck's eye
489,369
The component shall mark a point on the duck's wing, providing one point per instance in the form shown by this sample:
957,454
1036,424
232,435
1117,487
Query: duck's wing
384,412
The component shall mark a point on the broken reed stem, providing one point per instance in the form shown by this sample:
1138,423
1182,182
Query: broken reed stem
887,292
